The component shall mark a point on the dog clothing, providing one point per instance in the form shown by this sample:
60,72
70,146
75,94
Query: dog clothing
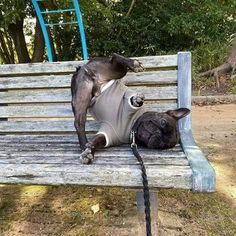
115,113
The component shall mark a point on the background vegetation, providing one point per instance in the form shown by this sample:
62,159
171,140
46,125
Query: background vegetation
128,27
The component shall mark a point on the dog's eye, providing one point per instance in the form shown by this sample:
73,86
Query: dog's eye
163,123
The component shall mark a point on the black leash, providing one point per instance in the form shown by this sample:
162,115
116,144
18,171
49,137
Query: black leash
145,186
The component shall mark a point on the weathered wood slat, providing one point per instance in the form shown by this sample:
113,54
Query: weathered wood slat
67,160
74,152
64,95
49,139
53,111
59,140
43,126
36,143
151,78
101,157
96,175
69,67
63,148
63,81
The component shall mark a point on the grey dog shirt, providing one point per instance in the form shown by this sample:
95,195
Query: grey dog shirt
115,113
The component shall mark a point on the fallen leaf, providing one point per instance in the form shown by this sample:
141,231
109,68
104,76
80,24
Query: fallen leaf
95,208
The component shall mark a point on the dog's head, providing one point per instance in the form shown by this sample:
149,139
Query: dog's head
159,130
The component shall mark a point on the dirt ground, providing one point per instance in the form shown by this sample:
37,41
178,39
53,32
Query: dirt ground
71,210
214,129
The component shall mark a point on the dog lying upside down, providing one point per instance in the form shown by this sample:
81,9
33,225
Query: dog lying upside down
97,86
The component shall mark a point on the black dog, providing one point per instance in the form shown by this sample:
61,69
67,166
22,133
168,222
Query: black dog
119,110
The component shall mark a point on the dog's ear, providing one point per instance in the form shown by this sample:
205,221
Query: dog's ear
178,113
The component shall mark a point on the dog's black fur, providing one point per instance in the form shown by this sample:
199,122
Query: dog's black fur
86,85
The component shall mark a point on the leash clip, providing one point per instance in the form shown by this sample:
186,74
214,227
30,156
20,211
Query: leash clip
133,144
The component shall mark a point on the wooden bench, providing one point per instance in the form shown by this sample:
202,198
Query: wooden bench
38,143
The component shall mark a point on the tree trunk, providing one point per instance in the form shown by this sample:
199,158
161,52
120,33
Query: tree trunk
4,51
227,68
51,39
17,34
10,47
39,44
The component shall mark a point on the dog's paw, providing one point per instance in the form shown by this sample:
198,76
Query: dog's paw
137,100
86,157
137,66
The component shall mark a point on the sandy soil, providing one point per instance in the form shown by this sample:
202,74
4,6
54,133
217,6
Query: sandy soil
214,129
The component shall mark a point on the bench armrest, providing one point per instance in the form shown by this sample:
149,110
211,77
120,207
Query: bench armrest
203,173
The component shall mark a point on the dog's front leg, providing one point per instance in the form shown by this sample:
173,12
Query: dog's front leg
98,141
79,123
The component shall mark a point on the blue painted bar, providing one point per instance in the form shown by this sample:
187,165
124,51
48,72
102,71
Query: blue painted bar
44,30
81,29
62,23
204,178
57,11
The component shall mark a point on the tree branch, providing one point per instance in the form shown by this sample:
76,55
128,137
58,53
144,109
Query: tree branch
131,7
39,44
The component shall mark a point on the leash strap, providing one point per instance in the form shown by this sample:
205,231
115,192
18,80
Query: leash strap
146,194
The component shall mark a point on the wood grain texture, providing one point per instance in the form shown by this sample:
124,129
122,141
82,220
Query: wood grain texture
64,94
96,175
28,154
63,110
70,66
63,81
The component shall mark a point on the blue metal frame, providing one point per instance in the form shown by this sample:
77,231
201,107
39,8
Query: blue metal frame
44,26
44,30
81,29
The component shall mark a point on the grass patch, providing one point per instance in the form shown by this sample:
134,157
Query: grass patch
211,212
66,210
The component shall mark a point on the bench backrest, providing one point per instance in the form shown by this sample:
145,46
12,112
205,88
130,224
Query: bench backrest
36,98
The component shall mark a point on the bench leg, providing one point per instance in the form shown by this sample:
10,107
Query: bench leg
141,212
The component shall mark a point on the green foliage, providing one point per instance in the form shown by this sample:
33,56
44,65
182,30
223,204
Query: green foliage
203,21
206,57
11,11
152,27
210,55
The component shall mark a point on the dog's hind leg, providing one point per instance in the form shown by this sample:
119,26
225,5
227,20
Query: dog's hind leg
132,64
81,97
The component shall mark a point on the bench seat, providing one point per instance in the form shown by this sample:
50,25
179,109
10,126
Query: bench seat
54,160
39,145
